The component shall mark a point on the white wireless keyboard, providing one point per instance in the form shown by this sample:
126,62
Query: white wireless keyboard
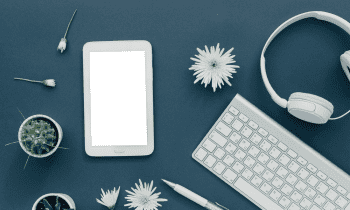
269,165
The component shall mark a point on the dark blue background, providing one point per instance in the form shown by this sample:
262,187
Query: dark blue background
304,58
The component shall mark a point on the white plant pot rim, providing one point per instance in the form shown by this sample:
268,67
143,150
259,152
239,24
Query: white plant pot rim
65,197
59,129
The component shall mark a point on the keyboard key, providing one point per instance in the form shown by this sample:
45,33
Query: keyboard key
277,182
228,118
275,195
320,200
282,172
233,110
228,160
272,139
332,183
310,193
238,167
256,181
258,196
282,146
329,206
247,174
268,175
240,155
244,144
266,188
219,167
294,207
292,154
341,202
230,148
263,132
312,168
218,138
256,138
341,190
253,125
312,181
303,173
301,186
237,125
243,117
321,175
293,166
219,153
291,179
246,132
315,208
259,168
229,175
286,189
331,195
296,196
305,203
284,159
265,146
274,152
263,158
322,188
200,154
209,145
224,129
253,151
272,165
210,161
235,137
302,161
284,202
249,162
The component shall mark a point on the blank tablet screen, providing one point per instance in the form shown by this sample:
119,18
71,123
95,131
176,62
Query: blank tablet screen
118,98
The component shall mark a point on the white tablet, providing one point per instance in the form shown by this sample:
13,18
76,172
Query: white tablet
118,98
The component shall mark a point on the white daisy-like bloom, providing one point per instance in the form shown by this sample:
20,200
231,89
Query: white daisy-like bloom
109,198
142,199
62,45
213,66
49,82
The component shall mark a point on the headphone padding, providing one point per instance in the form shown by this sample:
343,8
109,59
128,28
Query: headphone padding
345,63
313,98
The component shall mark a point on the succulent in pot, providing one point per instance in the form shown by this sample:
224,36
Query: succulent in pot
40,136
54,201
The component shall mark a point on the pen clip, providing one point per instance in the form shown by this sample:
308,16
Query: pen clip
221,205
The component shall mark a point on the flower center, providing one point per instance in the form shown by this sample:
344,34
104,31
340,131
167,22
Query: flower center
213,64
144,200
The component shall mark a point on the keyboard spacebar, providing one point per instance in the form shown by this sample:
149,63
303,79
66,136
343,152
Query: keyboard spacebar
256,195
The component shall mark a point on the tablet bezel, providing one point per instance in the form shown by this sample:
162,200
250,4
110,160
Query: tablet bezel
118,46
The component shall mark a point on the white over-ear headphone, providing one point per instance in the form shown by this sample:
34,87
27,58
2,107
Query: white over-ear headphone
305,106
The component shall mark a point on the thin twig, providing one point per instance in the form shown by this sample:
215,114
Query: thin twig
26,162
21,113
29,80
69,23
17,142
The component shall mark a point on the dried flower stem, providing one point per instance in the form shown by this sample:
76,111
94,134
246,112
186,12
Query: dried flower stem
21,113
26,162
29,80
69,24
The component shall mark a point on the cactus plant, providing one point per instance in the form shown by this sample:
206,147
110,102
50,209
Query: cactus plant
39,136
49,203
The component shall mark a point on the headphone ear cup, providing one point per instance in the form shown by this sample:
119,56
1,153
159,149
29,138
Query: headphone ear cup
345,63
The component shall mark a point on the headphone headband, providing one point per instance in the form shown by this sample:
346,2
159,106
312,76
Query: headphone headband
315,14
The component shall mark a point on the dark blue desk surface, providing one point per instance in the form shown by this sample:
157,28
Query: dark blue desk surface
305,58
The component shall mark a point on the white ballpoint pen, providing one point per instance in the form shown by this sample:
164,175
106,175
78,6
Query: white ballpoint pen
194,197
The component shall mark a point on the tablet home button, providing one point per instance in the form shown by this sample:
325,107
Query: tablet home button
119,151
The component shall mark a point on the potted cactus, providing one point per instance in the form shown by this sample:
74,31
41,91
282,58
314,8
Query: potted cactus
54,201
40,136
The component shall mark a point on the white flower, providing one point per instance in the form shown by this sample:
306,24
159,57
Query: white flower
49,82
62,45
109,199
213,66
142,198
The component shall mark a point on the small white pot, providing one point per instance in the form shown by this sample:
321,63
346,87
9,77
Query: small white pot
65,197
59,130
